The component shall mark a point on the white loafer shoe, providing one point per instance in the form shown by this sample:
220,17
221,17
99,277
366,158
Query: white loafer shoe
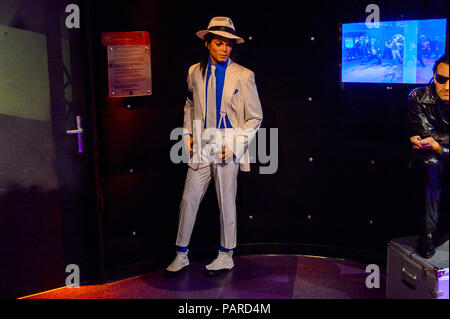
223,263
180,262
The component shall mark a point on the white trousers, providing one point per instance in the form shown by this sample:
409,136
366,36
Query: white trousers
197,181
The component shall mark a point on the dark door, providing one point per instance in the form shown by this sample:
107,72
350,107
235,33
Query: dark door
48,213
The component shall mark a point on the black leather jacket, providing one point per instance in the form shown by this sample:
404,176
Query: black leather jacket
428,116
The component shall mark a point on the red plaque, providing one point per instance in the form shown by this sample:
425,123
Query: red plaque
126,38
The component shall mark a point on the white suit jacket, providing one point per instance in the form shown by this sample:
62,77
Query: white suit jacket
240,101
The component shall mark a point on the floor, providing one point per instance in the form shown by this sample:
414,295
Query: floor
254,277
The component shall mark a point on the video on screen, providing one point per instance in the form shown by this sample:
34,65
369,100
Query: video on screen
392,52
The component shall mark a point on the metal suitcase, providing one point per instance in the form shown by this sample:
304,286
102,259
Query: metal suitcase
409,276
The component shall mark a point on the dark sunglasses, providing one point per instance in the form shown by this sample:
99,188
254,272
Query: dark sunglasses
440,78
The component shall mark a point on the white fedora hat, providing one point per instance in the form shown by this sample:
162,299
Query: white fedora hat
222,26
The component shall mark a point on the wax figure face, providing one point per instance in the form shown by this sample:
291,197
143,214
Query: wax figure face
441,76
219,49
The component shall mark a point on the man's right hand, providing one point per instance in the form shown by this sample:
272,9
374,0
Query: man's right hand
188,144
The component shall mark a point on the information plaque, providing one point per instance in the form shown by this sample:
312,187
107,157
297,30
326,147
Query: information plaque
129,63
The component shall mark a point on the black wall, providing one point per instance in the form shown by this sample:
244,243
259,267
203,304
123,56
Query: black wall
343,177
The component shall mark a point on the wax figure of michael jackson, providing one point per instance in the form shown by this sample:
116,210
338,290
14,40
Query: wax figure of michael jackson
221,116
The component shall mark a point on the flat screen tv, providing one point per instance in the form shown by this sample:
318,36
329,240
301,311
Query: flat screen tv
394,52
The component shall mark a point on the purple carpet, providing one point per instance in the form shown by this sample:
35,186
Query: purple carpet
254,277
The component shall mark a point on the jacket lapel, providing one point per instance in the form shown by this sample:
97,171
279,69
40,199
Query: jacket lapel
201,82
228,86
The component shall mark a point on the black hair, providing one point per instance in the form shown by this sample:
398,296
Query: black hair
205,58
442,59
